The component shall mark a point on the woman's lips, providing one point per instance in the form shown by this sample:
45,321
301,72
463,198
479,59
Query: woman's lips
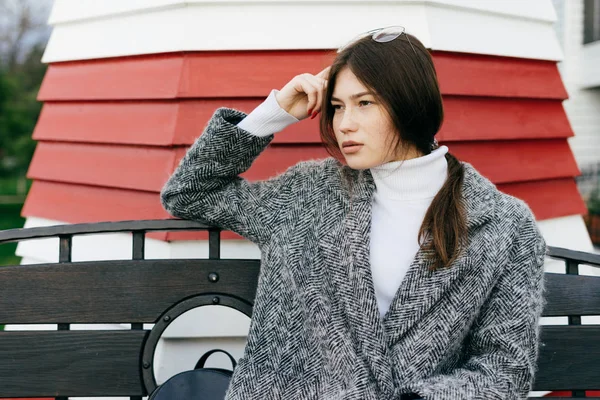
351,148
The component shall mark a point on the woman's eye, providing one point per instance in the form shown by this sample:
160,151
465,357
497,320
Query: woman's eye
336,106
365,102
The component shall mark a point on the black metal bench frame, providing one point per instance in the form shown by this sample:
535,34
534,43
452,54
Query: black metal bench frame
66,362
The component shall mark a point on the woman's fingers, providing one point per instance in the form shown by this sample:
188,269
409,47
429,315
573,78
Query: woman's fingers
305,85
303,94
319,84
314,90
324,74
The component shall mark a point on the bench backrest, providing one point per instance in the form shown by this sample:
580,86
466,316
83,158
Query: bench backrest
65,363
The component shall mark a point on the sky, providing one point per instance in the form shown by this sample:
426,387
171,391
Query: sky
8,20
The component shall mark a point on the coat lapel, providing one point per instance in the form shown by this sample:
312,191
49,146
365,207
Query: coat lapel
354,284
420,291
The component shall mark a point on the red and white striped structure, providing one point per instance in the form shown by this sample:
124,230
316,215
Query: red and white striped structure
130,85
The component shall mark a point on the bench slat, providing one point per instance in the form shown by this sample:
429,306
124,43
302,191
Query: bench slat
71,363
572,295
115,291
569,357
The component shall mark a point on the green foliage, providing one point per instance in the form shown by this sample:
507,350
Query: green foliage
593,203
10,218
19,111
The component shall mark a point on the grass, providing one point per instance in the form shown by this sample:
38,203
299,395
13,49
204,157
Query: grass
14,186
10,218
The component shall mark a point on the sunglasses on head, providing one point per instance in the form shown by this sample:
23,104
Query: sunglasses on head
381,35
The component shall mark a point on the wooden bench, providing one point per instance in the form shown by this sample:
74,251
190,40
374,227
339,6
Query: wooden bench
68,362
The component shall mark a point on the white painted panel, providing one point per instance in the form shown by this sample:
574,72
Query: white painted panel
554,321
118,246
78,10
533,9
208,321
30,327
568,232
463,31
590,320
130,34
234,249
590,65
174,356
259,25
74,327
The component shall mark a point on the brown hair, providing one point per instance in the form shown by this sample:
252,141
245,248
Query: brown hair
403,78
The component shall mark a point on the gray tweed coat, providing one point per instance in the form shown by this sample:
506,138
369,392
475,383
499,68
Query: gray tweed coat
467,332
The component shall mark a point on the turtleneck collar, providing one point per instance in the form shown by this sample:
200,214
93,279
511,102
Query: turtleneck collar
415,179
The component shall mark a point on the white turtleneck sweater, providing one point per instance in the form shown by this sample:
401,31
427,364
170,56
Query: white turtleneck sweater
404,191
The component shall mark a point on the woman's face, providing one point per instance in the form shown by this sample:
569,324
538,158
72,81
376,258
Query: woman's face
359,118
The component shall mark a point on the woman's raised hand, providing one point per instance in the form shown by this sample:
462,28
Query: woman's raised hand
302,96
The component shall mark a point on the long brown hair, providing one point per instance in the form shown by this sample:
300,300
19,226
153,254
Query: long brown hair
403,78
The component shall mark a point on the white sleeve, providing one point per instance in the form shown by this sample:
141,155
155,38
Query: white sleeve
268,118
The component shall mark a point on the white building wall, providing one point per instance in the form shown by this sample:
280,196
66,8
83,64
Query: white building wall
583,105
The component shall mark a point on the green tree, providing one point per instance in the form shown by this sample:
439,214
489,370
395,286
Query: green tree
23,34
19,111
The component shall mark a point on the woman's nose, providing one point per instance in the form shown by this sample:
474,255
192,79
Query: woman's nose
347,123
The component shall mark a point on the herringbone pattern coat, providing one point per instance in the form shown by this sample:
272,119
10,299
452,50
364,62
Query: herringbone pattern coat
467,332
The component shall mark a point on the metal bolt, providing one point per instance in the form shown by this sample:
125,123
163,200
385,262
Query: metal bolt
213,277
216,300
166,318
146,365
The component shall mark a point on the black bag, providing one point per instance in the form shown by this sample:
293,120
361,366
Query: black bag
198,384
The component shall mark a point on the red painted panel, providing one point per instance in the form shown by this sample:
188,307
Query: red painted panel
78,203
481,75
148,77
486,118
147,169
548,199
140,168
81,204
195,114
247,73
217,75
162,123
125,122
522,160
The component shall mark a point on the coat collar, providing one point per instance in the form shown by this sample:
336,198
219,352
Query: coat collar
414,298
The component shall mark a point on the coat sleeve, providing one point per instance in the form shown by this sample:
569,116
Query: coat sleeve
503,343
206,185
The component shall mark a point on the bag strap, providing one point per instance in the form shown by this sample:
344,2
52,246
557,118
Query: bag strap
202,360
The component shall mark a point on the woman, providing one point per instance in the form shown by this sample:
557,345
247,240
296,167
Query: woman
401,273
